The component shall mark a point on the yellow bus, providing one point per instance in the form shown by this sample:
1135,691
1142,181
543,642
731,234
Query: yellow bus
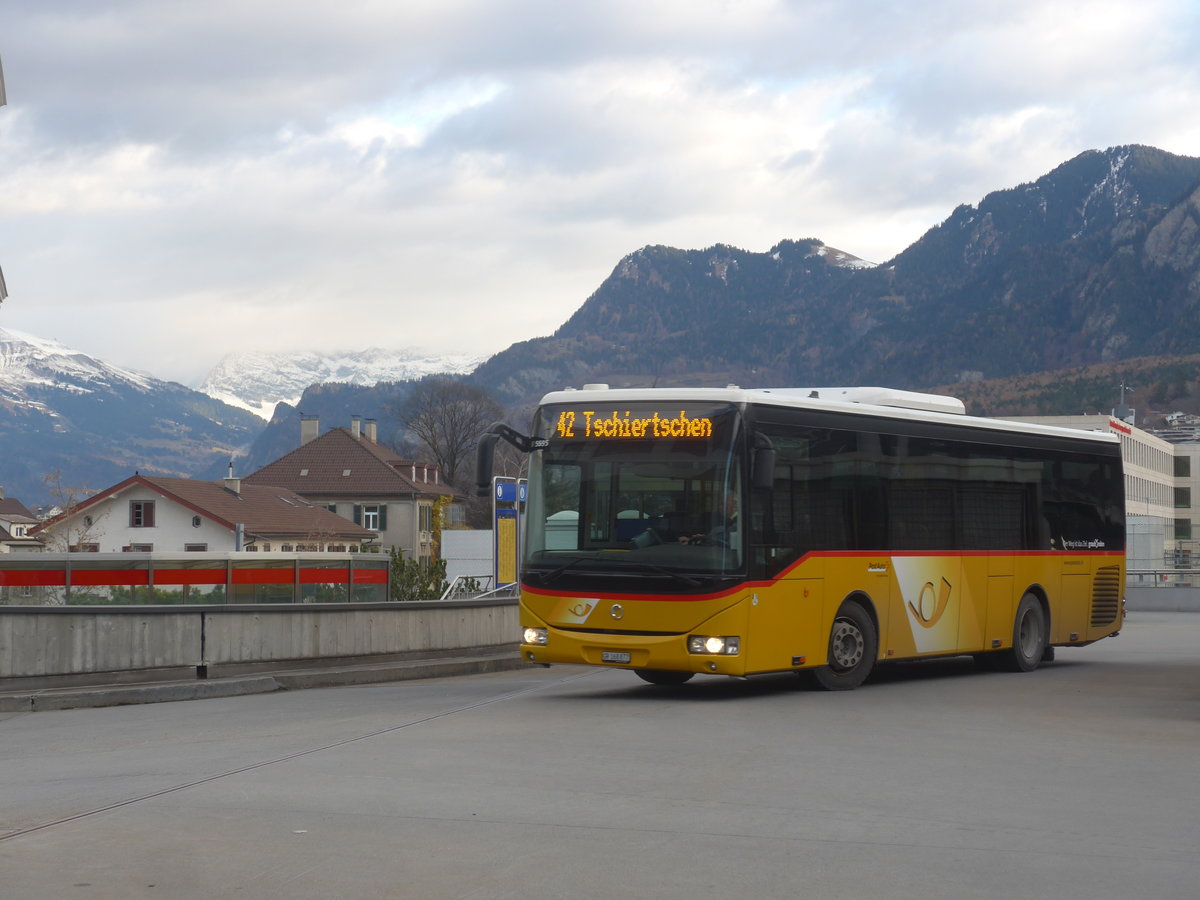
741,532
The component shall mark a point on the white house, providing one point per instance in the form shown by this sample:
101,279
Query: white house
145,514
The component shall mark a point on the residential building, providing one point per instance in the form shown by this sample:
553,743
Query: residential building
349,472
16,523
150,514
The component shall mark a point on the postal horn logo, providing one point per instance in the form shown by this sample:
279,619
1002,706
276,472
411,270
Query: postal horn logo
931,604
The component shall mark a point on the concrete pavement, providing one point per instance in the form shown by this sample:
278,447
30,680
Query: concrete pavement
48,697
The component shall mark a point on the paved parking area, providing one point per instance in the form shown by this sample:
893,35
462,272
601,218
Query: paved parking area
933,781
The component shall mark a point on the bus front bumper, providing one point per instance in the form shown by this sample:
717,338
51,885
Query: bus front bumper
708,653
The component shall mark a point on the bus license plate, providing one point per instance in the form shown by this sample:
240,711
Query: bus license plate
614,656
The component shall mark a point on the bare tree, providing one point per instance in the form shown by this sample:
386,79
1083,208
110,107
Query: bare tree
446,417
77,532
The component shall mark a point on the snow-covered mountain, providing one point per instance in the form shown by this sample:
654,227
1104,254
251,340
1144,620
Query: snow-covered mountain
76,422
27,361
256,382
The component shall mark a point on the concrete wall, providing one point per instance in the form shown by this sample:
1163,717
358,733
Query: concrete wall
1162,599
151,642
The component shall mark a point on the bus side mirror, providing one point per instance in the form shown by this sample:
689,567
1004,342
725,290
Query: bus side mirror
485,454
762,472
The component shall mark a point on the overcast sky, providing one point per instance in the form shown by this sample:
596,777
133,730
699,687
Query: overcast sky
180,180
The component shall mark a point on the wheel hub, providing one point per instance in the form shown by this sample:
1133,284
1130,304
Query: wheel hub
846,644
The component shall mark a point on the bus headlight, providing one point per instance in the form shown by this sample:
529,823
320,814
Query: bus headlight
535,636
711,645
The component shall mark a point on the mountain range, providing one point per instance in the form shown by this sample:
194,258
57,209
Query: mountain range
257,382
70,422
1095,264
1097,261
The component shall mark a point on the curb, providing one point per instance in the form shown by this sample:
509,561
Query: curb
235,686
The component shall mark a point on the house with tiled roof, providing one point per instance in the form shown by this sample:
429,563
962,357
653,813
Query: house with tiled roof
16,523
349,472
150,513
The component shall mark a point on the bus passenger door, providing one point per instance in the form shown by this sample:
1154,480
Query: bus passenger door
927,606
997,617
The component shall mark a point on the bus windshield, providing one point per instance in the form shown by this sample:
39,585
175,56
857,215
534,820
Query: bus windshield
636,492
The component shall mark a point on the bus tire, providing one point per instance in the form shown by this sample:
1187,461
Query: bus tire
663,676
1029,636
853,648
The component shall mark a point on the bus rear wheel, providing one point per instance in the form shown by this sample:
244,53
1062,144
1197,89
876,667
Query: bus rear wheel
663,676
1029,637
853,647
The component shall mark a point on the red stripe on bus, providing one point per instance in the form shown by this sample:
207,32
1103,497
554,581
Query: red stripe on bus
837,554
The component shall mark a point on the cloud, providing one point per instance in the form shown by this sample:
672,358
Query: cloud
183,180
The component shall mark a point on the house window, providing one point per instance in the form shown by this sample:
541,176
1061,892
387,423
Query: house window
84,548
141,514
1183,529
195,548
1183,498
372,517
139,548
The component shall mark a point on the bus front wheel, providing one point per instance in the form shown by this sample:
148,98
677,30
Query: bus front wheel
663,676
1029,637
853,647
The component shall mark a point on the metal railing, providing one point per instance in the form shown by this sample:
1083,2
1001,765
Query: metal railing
476,587
1163,578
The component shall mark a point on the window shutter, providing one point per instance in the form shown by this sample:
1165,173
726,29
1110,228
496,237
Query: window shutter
357,514
149,514
383,517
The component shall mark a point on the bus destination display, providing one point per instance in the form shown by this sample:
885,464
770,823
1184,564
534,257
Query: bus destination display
589,424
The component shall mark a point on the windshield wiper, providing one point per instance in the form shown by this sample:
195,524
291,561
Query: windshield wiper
663,570
553,574
548,577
